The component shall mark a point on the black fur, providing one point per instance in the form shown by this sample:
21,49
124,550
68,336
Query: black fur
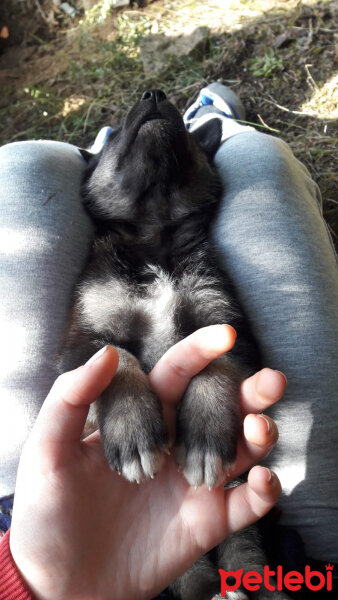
152,279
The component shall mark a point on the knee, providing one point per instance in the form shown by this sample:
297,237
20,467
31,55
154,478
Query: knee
38,157
272,155
256,152
255,160
265,145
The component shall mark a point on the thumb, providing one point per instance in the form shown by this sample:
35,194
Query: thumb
64,412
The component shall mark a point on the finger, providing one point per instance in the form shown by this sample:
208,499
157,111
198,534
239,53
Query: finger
262,390
250,501
260,434
260,431
64,412
173,372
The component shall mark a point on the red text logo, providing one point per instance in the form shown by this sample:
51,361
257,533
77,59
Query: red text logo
276,580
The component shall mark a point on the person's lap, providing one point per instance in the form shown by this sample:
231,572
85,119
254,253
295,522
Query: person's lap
275,247
45,237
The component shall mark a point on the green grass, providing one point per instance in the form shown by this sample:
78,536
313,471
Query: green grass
267,65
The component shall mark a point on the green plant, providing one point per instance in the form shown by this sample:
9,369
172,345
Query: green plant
98,13
132,28
265,66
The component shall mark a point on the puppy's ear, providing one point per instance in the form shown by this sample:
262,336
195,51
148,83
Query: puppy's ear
105,134
86,154
91,160
209,136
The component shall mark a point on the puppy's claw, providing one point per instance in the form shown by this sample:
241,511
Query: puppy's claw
151,462
132,471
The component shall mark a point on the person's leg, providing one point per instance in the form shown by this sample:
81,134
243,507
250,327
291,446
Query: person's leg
276,248
44,240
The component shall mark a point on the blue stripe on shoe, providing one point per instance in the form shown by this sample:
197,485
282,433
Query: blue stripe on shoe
207,98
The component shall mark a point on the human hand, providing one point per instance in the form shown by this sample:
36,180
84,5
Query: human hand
80,531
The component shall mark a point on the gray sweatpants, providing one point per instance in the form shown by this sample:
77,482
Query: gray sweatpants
276,248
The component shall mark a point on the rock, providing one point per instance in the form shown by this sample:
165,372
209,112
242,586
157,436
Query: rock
156,50
190,43
153,53
32,72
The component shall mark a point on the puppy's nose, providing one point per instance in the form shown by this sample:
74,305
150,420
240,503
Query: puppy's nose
154,95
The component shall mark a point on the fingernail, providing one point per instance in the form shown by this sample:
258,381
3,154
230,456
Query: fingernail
96,355
266,421
271,475
231,327
283,374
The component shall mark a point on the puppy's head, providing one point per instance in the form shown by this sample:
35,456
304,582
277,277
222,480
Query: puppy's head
151,163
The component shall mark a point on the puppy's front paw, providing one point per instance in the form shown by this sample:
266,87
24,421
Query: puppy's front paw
208,425
132,429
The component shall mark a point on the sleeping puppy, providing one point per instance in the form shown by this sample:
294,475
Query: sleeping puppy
152,279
